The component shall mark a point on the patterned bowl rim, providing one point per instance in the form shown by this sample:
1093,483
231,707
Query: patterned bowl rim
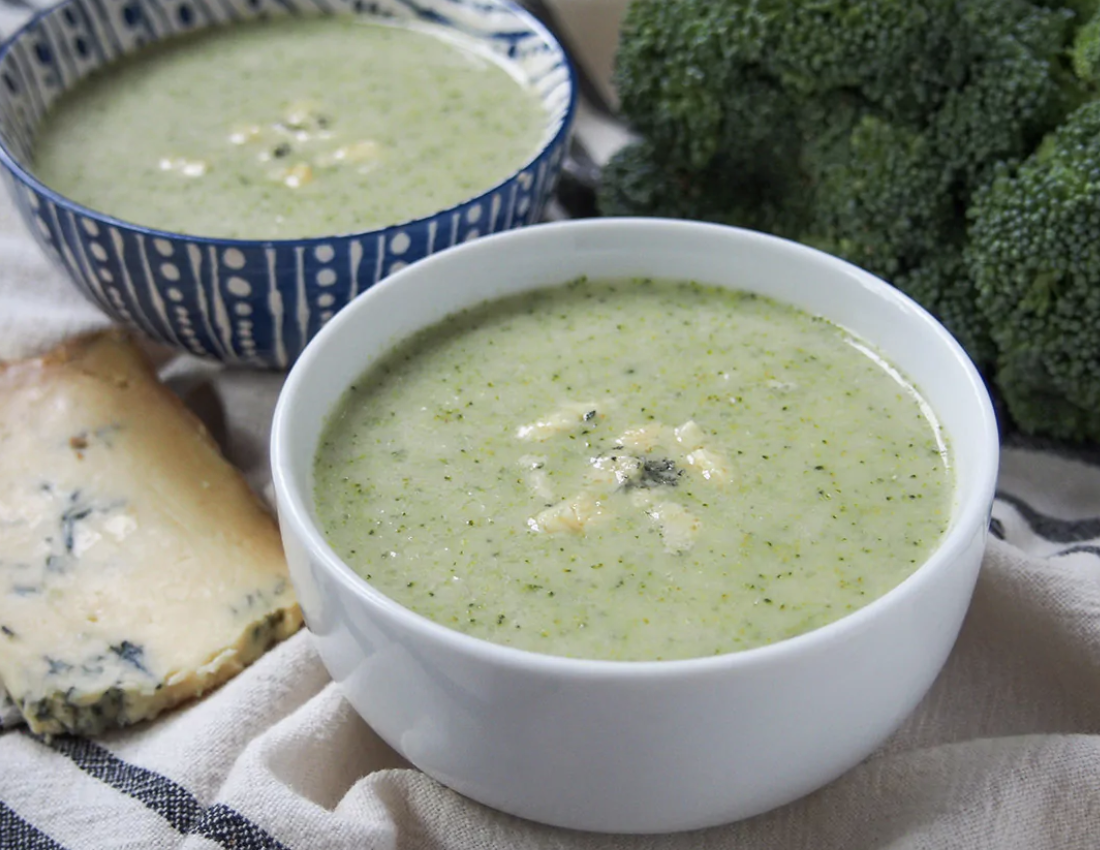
23,175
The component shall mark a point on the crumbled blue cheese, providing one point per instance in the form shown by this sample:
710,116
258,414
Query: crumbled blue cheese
615,470
571,515
642,460
136,569
183,166
677,525
569,417
534,466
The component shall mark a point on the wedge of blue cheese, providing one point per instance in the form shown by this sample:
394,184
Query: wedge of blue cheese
137,569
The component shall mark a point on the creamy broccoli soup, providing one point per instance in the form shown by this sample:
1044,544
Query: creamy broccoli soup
291,128
633,470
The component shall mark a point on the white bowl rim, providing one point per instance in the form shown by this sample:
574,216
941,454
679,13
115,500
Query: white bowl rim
24,175
973,513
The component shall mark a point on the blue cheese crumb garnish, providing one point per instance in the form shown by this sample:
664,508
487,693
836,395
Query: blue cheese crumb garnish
646,457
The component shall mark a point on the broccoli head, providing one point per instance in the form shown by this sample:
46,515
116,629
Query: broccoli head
1034,257
902,136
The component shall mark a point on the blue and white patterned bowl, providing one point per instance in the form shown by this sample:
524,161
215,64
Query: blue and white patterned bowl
243,301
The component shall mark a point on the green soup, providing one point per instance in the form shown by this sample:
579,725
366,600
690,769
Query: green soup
291,128
633,470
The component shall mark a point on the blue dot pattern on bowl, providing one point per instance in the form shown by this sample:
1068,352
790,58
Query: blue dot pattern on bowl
248,302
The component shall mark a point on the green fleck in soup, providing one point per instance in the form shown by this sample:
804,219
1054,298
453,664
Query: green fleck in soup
633,470
291,128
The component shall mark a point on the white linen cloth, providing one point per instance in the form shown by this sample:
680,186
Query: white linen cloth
1004,752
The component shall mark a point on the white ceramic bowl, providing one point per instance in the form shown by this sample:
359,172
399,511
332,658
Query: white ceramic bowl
635,746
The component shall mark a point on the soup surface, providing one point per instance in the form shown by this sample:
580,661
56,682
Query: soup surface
291,128
633,470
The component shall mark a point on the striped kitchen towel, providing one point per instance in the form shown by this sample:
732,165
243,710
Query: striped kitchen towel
1001,754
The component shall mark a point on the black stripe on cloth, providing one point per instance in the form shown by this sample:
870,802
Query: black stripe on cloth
231,829
166,798
1052,528
1074,550
171,801
17,834
997,528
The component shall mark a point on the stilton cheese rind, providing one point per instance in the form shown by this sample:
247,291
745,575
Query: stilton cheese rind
137,570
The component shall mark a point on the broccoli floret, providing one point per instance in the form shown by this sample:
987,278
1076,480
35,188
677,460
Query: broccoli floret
1016,91
902,56
1085,53
882,200
884,205
638,182
688,76
1082,10
1034,256
942,285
